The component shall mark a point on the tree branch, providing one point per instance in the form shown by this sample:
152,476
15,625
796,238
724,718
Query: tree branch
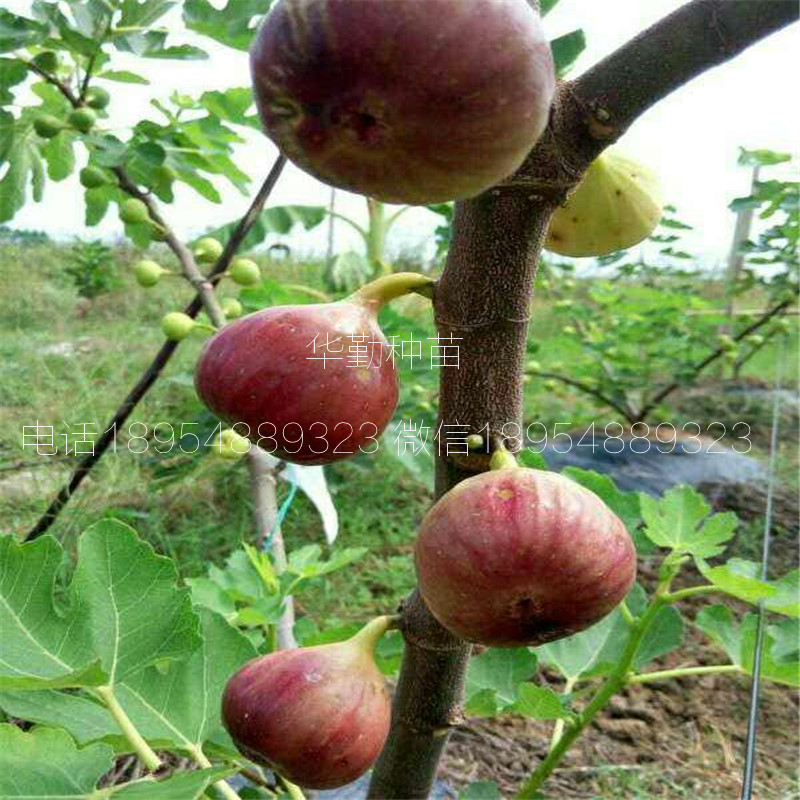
156,366
484,297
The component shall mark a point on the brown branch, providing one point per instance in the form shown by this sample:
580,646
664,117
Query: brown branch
51,79
156,366
484,297
586,388
712,357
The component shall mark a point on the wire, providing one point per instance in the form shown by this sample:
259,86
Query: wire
752,721
281,516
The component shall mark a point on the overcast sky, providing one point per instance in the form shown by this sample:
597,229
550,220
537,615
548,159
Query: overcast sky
691,139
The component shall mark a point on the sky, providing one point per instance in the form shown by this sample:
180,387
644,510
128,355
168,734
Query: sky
691,139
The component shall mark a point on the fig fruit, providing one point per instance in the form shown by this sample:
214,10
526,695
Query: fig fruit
517,556
46,61
232,308
244,272
97,98
148,273
47,126
82,119
314,383
177,326
319,716
133,212
616,205
207,250
407,102
93,177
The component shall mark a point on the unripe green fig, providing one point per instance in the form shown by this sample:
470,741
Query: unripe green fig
177,326
207,250
755,340
165,172
82,119
615,206
404,101
225,446
133,211
46,61
244,272
232,308
48,126
318,716
93,177
518,556
725,342
148,273
730,356
97,97
533,366
475,441
569,330
783,325
563,305
551,385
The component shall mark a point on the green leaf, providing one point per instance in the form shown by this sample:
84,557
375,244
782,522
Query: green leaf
679,521
738,578
739,639
181,786
19,148
18,32
761,158
279,219
546,6
233,25
785,640
123,76
481,790
596,651
786,599
44,763
566,50
125,613
232,106
85,719
306,562
528,458
540,702
12,73
494,677
60,156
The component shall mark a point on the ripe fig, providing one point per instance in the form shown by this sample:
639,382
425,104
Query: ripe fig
93,177
177,326
148,273
407,102
133,212
616,205
82,119
518,556
244,272
97,98
207,250
319,716
47,126
314,383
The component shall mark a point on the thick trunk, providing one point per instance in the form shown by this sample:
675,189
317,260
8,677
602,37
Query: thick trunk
483,302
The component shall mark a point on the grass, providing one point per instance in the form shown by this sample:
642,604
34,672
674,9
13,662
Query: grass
197,508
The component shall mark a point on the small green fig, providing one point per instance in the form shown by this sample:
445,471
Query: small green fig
93,177
730,356
97,98
148,273
725,342
563,305
225,447
615,206
533,366
46,61
232,308
551,385
207,250
475,441
82,119
165,172
569,330
244,272
48,126
755,340
177,326
783,325
133,212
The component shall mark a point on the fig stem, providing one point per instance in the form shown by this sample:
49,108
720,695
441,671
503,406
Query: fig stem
295,792
136,740
502,459
713,669
200,758
378,292
369,636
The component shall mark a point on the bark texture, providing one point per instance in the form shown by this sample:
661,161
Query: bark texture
484,299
